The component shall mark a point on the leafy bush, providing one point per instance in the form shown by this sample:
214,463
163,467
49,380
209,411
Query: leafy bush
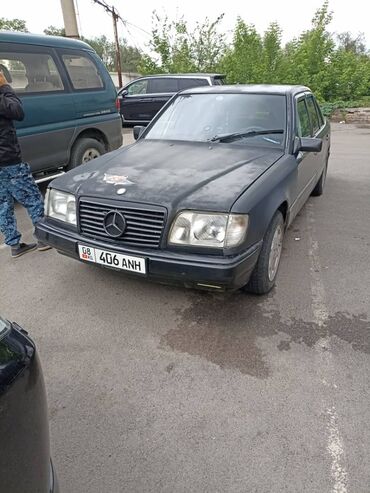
328,108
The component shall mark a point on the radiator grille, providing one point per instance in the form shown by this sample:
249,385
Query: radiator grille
144,225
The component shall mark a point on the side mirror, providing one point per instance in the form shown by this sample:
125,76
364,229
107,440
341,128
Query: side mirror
123,93
138,130
307,144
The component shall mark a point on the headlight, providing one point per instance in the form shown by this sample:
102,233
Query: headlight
61,205
209,230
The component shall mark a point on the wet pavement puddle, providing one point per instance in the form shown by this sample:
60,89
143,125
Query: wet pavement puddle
224,329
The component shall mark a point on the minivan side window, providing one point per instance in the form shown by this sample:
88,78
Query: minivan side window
313,114
138,87
304,126
163,85
31,72
188,83
83,72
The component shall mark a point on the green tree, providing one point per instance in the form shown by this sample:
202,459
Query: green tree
272,55
177,49
13,25
243,61
348,42
307,59
55,31
130,56
106,49
348,76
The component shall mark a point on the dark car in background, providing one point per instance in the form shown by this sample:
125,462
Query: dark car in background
141,99
203,198
69,99
25,464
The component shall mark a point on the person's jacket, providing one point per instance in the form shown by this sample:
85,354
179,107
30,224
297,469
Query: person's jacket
10,109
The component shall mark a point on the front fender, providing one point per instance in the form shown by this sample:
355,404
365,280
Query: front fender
263,198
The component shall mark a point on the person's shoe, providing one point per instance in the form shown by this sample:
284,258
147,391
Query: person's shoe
42,247
22,248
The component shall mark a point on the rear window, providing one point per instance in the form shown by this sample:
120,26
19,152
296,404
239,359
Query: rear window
313,114
31,72
218,81
163,85
83,72
321,118
189,83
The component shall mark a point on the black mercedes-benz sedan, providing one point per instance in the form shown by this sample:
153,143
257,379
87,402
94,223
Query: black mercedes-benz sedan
204,196
25,465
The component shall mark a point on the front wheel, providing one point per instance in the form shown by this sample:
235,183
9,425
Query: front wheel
84,150
265,272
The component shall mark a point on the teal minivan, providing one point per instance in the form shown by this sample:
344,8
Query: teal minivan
69,99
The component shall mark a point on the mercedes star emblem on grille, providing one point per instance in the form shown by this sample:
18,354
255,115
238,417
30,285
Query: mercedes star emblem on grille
114,224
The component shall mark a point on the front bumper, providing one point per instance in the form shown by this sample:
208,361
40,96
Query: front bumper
190,270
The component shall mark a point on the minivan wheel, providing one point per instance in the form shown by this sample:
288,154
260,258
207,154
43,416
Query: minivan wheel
84,150
265,272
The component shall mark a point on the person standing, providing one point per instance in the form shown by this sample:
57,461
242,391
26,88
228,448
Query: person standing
16,180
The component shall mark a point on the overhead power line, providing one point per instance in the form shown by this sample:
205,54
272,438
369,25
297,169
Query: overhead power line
115,17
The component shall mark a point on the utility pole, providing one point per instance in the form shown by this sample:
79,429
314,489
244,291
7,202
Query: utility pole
118,49
115,16
69,17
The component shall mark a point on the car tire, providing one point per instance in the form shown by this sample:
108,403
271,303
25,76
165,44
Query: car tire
265,272
319,188
84,150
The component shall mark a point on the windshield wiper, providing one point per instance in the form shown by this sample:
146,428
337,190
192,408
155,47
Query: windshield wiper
238,135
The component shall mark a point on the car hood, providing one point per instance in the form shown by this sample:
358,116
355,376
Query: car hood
172,173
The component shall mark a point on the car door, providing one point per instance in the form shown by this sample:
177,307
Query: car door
49,123
161,90
136,102
307,162
24,427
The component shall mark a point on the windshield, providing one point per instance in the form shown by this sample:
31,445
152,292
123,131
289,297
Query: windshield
205,117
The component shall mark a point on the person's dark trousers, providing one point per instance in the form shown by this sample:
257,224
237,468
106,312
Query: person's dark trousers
17,184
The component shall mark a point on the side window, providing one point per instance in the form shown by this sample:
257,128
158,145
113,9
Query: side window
319,114
83,72
218,81
138,87
163,84
31,72
188,83
303,124
313,114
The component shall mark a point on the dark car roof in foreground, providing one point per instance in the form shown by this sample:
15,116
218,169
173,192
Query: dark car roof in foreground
190,74
248,88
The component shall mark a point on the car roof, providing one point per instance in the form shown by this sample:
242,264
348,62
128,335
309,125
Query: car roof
283,89
184,75
43,40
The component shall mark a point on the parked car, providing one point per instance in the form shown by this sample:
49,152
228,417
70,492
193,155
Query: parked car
204,196
70,102
25,464
141,99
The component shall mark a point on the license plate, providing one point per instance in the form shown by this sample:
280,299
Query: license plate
112,259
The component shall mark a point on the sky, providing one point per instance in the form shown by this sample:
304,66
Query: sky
94,21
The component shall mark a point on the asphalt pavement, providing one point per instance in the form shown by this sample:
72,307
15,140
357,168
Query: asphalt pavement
160,389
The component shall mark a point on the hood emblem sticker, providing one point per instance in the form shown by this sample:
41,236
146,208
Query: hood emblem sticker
117,179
